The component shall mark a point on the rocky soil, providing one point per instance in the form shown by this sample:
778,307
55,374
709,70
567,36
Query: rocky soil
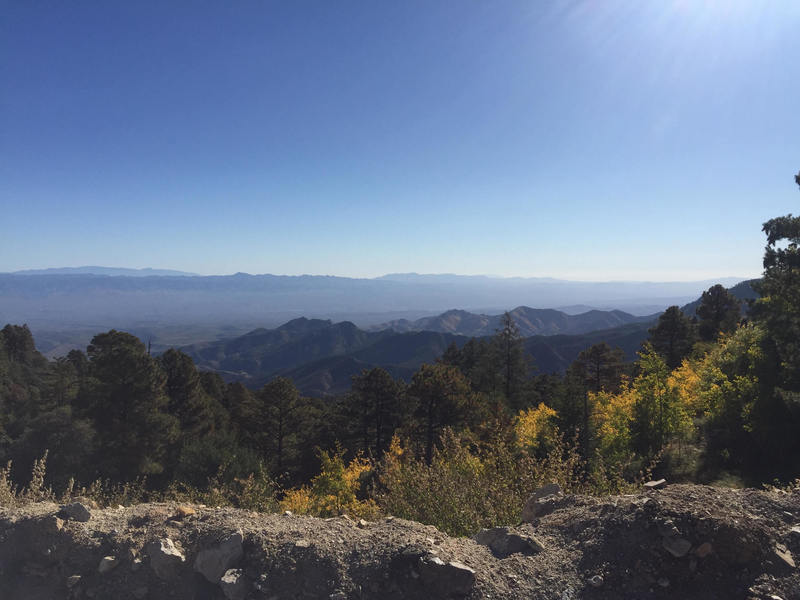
682,541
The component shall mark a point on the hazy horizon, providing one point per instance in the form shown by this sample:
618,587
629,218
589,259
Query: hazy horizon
86,269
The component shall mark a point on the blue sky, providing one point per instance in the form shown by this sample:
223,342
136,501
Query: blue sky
583,140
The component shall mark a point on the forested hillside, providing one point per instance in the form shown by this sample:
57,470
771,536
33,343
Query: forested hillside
711,396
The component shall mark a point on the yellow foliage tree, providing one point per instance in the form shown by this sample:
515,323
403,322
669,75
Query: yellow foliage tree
686,380
334,491
535,429
612,419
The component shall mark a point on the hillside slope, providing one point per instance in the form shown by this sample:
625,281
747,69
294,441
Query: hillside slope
529,321
685,541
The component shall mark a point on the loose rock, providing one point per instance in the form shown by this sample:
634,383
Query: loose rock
184,511
676,546
596,581
503,542
655,484
164,557
447,578
543,501
76,511
783,557
233,584
107,563
212,563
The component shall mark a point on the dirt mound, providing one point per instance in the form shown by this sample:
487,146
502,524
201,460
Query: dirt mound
679,542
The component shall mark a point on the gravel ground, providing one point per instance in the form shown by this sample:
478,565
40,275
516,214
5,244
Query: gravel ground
683,541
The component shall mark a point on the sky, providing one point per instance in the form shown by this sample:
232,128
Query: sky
597,140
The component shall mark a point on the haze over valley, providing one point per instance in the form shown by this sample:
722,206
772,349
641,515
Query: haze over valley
66,307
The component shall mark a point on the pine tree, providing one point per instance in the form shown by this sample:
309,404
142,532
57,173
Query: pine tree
673,336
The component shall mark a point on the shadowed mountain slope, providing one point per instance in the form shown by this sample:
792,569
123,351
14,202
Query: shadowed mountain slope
530,321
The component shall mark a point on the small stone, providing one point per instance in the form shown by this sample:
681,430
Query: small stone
164,557
73,580
184,511
287,513
656,484
76,512
107,563
362,523
676,546
136,564
596,581
233,584
86,501
667,529
703,550
783,557
54,523
302,543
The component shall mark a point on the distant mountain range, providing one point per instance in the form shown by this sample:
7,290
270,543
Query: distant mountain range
321,356
529,321
60,299
109,271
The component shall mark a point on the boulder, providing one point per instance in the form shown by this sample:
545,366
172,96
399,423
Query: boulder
76,511
453,578
544,500
164,557
503,542
212,563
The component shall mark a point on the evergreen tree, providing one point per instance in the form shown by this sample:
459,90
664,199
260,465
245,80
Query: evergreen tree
673,336
597,368
443,399
512,366
126,403
187,398
719,312
376,403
